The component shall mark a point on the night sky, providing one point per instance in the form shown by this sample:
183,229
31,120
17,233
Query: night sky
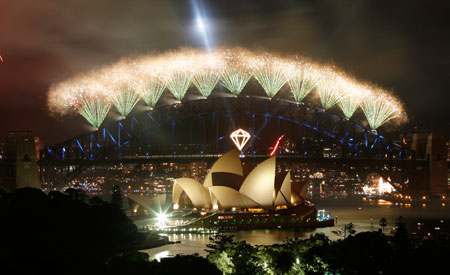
403,46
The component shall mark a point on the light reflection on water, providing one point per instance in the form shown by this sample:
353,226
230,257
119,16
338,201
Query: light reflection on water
363,214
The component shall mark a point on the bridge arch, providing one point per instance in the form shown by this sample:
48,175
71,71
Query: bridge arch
159,132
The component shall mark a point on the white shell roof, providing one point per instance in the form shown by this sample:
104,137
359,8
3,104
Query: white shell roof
198,194
229,163
228,198
259,185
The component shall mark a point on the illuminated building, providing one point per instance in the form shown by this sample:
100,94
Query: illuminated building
225,187
263,199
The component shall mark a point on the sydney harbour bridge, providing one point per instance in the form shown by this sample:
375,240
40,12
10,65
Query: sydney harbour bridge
177,125
199,128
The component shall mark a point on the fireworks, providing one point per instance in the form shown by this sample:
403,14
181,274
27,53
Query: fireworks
83,94
234,79
205,82
125,82
93,110
147,80
151,90
270,74
235,73
206,75
379,109
91,102
353,95
120,86
178,73
329,89
302,80
124,99
178,83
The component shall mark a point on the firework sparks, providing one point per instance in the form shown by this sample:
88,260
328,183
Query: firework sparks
205,82
379,108
91,101
120,86
302,80
353,95
93,110
125,82
329,89
206,76
178,74
83,94
124,99
178,83
147,80
235,73
269,72
151,90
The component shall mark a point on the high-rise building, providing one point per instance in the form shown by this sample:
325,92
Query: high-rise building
21,154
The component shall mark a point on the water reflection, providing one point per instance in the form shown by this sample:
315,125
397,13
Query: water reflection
160,255
363,214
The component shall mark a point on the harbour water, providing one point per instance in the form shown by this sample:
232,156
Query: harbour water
364,214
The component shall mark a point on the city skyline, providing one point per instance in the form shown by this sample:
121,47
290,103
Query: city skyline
400,54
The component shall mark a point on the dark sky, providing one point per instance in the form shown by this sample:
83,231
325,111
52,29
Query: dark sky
403,46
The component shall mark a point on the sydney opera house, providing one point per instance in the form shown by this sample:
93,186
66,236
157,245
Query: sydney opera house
228,200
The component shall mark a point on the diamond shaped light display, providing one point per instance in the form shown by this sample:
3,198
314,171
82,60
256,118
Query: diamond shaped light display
240,138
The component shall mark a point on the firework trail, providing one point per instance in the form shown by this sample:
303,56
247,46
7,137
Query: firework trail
205,82
379,108
147,80
270,73
121,87
329,90
85,95
123,83
178,83
124,99
235,73
353,95
206,74
93,110
91,102
178,72
151,90
303,78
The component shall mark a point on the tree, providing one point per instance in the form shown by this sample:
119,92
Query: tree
96,201
220,242
347,229
220,251
117,197
383,223
365,253
233,257
401,239
283,261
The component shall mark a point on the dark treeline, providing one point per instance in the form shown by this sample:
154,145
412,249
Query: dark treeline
362,253
68,234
